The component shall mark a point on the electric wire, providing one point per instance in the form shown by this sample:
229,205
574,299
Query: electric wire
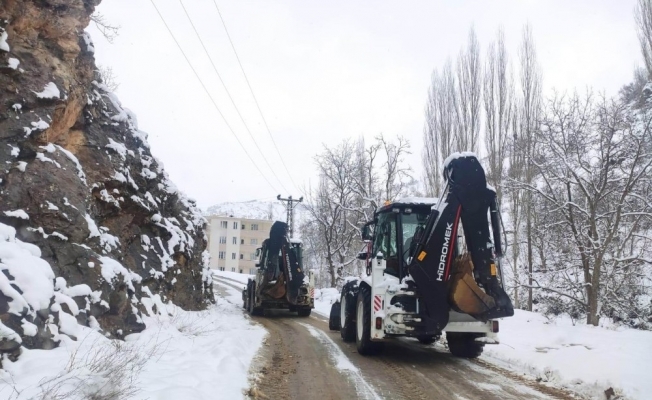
228,93
210,96
254,96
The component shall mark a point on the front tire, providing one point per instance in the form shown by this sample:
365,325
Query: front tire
427,339
347,328
464,345
363,324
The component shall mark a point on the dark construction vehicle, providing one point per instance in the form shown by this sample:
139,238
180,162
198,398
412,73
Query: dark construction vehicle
280,282
425,276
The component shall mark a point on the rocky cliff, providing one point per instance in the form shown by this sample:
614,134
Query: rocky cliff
92,231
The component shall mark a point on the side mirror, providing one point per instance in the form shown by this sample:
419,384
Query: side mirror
367,231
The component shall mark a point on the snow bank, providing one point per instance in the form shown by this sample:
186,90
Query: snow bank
233,276
181,354
585,359
24,269
324,298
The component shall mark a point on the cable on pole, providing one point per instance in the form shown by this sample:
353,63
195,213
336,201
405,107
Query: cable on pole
253,95
289,209
237,110
210,96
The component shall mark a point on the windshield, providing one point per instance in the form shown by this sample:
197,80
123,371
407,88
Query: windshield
413,226
298,250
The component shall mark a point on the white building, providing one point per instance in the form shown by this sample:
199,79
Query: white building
232,242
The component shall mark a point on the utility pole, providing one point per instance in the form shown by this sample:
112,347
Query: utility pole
289,209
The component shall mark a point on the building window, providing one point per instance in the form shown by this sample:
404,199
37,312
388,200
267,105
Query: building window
252,271
232,269
242,226
223,224
240,271
253,241
254,227
221,268
241,241
241,256
252,256
235,240
235,225
232,256
222,239
221,255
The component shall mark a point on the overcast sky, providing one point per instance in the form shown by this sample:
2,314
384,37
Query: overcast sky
323,71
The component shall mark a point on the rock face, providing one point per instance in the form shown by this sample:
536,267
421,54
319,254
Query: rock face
86,211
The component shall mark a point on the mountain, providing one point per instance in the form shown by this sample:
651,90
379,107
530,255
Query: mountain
254,209
257,209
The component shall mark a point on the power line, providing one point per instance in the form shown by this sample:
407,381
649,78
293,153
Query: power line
210,96
253,95
228,93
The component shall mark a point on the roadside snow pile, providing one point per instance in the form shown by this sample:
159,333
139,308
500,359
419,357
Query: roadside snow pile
180,355
585,359
233,276
324,298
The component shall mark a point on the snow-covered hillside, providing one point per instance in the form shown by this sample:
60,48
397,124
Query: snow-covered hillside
257,209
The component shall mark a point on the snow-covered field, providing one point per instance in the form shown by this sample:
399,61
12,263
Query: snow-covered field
585,359
181,355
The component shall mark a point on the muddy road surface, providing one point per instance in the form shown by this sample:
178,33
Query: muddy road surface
302,359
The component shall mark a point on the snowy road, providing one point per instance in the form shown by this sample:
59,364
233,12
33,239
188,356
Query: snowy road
302,359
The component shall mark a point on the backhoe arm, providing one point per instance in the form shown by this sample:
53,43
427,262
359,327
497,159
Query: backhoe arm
446,280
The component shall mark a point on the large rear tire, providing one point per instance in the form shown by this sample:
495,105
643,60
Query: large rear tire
363,324
253,310
347,329
464,345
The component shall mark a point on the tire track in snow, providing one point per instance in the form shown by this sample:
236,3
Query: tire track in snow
342,363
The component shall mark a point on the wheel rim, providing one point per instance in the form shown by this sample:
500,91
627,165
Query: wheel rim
342,311
360,320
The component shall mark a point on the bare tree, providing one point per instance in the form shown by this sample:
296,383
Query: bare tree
525,143
498,106
329,207
643,16
109,31
440,132
593,176
396,175
108,78
469,91
354,180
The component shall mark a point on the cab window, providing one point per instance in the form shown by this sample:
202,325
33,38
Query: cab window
385,242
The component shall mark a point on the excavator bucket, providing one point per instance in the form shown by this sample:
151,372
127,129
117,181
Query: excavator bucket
277,291
464,294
